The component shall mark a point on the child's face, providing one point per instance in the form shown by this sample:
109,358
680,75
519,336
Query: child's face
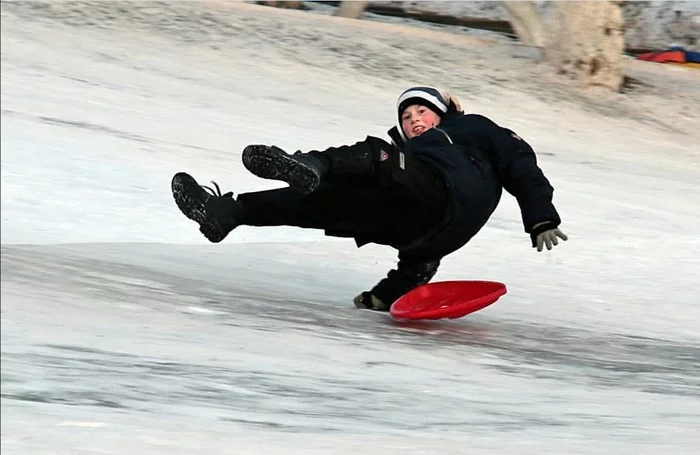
417,119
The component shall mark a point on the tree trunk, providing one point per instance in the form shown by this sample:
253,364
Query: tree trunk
587,42
527,22
352,10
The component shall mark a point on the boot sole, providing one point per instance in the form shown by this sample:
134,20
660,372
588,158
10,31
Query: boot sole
271,164
181,187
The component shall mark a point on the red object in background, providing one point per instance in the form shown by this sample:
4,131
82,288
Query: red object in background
669,56
447,299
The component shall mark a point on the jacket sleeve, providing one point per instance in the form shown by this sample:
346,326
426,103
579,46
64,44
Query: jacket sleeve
409,274
517,167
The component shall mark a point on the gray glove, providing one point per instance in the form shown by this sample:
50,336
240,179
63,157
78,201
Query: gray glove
545,234
549,238
368,301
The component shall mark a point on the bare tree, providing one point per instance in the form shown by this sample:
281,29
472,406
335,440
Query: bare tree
587,42
585,39
527,22
352,10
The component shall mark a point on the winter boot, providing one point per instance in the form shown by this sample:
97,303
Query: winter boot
217,214
302,171
305,171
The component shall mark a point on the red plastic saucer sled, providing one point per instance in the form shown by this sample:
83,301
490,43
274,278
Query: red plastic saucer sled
447,299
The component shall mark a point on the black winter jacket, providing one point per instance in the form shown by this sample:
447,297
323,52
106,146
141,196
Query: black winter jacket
477,158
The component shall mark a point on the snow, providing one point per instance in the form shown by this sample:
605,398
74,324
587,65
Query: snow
124,331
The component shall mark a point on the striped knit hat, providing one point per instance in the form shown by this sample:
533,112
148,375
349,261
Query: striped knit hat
425,96
434,99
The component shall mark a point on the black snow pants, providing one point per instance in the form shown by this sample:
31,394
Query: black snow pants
388,212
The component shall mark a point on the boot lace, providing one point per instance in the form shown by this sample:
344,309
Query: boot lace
217,192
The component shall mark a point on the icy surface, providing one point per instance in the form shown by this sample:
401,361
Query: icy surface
124,331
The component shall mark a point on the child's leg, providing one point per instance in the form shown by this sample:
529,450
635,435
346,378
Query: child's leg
352,207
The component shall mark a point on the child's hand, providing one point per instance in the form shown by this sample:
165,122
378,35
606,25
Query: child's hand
545,235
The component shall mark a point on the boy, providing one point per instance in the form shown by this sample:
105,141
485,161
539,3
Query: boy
427,193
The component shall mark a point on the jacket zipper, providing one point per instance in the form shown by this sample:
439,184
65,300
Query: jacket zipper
446,135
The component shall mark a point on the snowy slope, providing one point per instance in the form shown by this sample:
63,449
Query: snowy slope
124,331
